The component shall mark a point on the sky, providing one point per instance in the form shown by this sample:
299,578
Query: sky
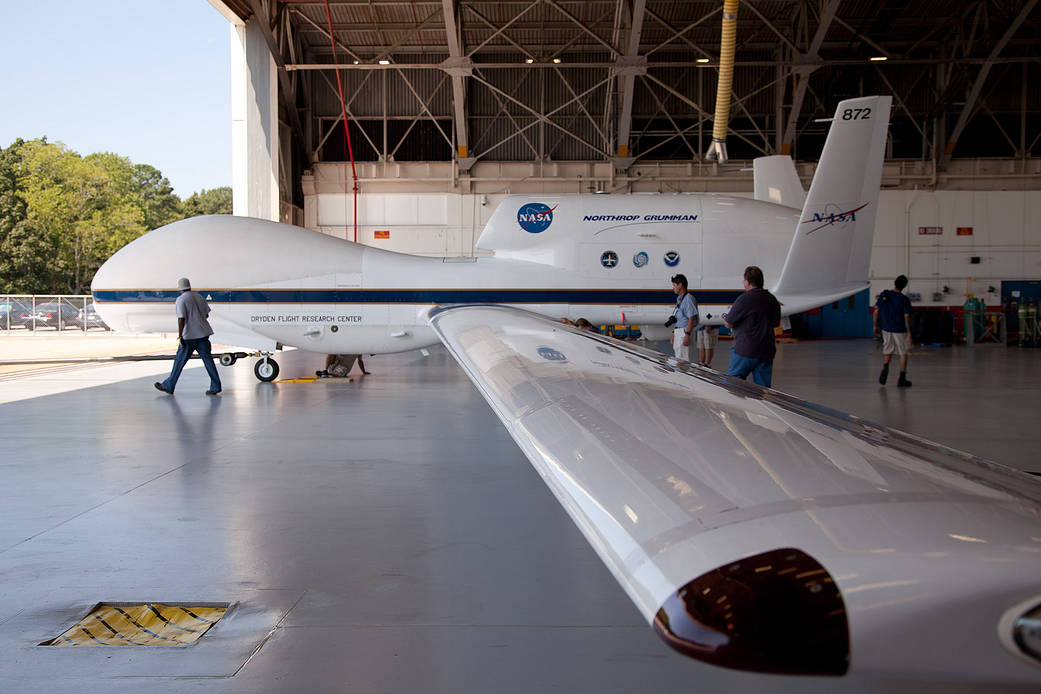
149,81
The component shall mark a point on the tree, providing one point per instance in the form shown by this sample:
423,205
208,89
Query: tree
63,215
86,205
215,201
156,196
25,251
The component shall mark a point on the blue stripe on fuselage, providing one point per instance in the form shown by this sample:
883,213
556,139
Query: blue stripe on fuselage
419,296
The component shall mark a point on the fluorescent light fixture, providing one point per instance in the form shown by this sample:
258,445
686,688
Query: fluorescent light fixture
701,60
529,61
878,58
556,60
384,62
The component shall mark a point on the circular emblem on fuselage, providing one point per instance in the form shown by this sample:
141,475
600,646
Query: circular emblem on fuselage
641,259
550,354
609,259
672,258
535,217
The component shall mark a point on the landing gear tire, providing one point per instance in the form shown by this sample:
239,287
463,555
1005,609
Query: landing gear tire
227,359
266,370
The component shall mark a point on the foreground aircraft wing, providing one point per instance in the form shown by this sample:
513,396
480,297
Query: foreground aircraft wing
761,532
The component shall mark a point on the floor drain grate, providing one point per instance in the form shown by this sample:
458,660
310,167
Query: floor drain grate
141,624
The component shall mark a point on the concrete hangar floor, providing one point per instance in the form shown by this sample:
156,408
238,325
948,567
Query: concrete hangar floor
378,535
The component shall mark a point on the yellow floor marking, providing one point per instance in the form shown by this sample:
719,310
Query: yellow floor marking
312,379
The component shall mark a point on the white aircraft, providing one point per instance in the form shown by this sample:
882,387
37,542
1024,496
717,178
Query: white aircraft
602,257
753,530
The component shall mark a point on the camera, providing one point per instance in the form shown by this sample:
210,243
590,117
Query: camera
671,322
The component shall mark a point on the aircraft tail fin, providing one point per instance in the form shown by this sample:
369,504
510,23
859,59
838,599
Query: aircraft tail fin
831,250
777,181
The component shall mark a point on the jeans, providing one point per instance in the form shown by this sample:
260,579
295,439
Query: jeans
184,353
762,370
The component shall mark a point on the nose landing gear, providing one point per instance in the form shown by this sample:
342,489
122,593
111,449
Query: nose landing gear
266,369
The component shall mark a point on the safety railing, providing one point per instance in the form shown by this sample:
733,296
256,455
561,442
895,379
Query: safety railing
51,312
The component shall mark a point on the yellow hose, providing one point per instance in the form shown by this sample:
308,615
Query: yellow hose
727,48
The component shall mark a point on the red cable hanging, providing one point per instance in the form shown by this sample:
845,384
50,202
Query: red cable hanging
343,110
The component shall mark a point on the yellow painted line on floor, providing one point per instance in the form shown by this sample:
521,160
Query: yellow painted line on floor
313,379
148,624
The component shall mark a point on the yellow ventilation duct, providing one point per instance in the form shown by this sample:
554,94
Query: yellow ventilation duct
718,147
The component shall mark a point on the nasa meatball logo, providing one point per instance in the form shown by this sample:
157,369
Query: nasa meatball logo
535,217
550,354
672,258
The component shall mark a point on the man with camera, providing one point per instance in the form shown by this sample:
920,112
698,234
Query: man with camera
684,317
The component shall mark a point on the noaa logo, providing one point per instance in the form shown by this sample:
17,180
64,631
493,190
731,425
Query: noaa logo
609,259
534,217
550,354
641,259
672,258
832,214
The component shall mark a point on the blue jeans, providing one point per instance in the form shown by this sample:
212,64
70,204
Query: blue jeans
184,353
762,370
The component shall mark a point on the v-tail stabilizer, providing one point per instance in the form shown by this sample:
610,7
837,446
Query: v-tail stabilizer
831,249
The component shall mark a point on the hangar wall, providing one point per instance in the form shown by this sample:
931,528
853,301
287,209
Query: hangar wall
254,124
916,234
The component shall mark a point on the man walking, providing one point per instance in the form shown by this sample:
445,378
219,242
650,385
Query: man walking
753,318
893,322
193,333
686,315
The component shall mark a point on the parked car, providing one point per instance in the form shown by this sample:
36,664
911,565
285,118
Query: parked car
13,314
89,318
55,314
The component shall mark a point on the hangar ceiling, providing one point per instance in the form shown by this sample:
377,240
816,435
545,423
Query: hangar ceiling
629,81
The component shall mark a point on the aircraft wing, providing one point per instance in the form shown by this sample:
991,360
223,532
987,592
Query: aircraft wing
761,532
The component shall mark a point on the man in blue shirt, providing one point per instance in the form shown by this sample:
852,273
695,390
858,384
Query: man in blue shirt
686,315
753,318
893,322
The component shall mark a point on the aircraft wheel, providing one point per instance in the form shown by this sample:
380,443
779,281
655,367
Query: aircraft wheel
227,359
266,370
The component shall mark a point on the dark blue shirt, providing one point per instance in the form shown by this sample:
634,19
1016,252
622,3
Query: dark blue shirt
892,307
754,316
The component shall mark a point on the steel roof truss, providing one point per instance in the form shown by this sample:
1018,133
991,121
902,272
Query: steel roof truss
321,30
540,118
981,79
500,30
614,51
385,54
628,78
802,73
663,110
509,116
582,107
696,107
424,106
678,34
453,34
347,108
